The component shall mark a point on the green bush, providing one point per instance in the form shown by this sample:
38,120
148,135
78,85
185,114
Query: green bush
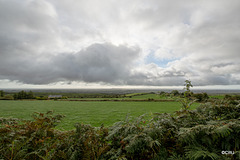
201,97
7,97
41,98
175,93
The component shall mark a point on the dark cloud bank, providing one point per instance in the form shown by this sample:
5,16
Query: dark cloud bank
97,63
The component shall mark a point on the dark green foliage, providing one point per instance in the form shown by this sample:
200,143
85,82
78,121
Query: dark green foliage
187,87
24,95
29,139
132,139
175,93
7,97
165,95
227,96
41,98
4,96
232,99
201,97
87,142
220,110
186,103
150,99
2,93
207,141
162,93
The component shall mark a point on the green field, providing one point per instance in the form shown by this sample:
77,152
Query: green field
147,96
94,113
133,96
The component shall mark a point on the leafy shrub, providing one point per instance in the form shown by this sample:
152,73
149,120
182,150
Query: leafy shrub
86,142
201,97
41,98
28,139
229,97
220,110
131,139
7,97
175,93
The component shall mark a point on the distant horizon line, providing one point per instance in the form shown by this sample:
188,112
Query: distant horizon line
120,88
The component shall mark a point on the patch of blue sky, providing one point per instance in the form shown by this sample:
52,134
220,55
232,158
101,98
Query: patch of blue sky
187,18
160,62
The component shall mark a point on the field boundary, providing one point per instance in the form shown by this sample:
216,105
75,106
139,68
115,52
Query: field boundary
120,100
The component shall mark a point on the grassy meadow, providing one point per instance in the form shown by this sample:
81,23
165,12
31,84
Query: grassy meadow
94,113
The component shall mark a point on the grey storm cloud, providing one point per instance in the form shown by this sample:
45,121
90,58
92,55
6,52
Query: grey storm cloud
97,63
152,42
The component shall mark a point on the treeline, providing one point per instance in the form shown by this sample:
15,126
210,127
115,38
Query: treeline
16,96
4,96
23,95
199,97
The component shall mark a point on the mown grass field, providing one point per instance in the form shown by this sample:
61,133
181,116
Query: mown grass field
94,113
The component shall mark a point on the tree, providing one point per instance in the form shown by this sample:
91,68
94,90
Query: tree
175,93
1,93
30,95
186,102
187,85
23,95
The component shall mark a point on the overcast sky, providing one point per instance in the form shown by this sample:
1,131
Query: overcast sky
116,43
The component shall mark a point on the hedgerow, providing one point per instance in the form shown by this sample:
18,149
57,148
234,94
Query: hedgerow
186,134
